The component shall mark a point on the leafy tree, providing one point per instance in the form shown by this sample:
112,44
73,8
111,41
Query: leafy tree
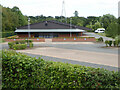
107,19
97,25
112,30
12,18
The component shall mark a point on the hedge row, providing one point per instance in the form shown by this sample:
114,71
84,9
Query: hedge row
74,37
22,71
17,37
7,34
100,39
114,43
110,43
19,45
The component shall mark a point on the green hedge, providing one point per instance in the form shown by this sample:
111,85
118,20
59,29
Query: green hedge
19,46
10,44
22,71
30,45
110,43
28,41
73,37
106,42
100,39
7,34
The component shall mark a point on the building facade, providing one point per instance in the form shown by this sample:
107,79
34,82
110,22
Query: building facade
51,29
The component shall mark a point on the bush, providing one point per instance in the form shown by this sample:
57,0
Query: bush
73,37
19,46
114,43
10,44
30,45
16,42
106,42
22,42
117,40
22,71
110,43
28,41
13,37
100,39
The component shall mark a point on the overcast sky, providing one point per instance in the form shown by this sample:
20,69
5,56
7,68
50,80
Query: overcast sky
54,7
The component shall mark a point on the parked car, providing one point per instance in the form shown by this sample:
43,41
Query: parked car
100,30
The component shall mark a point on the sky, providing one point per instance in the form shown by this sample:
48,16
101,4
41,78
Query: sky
54,7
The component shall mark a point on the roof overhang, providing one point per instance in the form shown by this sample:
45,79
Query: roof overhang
49,30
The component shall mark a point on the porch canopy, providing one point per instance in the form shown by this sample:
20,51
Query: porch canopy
48,30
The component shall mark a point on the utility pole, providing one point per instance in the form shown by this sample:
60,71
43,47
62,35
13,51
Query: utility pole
70,26
63,13
28,30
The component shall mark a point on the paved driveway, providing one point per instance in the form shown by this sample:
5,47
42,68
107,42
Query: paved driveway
83,53
97,36
77,55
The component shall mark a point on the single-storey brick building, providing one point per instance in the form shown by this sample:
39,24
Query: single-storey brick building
51,29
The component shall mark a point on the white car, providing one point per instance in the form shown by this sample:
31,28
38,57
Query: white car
100,30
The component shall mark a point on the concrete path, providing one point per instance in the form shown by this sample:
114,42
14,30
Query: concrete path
98,36
47,58
77,55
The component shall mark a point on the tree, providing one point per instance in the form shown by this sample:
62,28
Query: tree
112,30
12,18
107,19
97,25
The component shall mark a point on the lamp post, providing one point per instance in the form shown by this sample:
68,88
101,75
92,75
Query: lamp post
28,30
70,26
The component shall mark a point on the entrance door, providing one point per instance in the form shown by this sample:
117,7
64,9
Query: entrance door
36,35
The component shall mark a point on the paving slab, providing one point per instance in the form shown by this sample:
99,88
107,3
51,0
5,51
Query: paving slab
77,55
47,58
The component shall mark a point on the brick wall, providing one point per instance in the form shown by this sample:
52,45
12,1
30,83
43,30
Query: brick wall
73,40
34,40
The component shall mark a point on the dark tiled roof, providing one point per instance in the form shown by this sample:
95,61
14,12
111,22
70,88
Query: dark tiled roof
52,25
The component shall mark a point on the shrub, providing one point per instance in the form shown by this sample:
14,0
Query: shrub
19,46
10,44
22,71
30,45
100,39
17,42
13,37
73,37
28,41
110,43
106,42
114,43
22,42
117,40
